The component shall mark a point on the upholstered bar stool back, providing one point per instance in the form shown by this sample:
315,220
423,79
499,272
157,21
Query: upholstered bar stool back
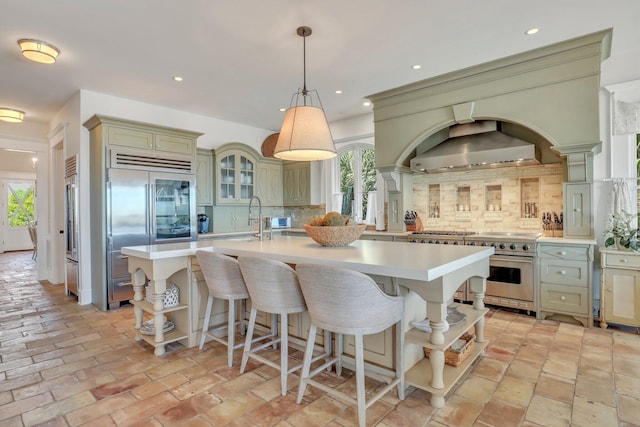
225,282
273,288
348,302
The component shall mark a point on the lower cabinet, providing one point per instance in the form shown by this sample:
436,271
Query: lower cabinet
566,281
619,288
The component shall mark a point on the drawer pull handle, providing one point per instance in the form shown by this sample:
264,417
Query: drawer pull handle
562,272
563,298
563,253
624,260
609,290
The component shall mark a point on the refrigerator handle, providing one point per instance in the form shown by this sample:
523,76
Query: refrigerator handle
151,218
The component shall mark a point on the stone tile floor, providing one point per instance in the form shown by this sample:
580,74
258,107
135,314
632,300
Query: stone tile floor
62,364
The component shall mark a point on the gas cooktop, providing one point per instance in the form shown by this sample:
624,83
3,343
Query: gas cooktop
444,233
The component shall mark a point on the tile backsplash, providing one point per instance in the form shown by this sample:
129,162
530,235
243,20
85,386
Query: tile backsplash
506,199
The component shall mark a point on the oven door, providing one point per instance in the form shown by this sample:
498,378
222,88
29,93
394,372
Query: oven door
511,277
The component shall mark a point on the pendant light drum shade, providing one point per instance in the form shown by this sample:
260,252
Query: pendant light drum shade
305,135
38,51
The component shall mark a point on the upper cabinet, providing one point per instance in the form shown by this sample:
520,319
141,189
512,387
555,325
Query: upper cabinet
269,182
236,174
144,137
301,183
204,178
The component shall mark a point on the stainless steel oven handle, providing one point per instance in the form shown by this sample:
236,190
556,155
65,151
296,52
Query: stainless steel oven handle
520,259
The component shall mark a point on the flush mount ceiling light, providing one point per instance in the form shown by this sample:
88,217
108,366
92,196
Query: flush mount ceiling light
38,51
305,133
531,31
10,115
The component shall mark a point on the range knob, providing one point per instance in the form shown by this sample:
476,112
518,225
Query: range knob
424,241
526,247
473,243
494,245
484,244
513,247
414,240
446,242
502,246
456,243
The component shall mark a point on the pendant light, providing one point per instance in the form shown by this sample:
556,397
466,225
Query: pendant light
305,133
10,115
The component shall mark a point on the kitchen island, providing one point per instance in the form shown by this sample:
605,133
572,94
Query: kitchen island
432,272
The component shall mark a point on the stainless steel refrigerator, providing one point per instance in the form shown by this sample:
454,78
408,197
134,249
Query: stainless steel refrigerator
144,208
71,225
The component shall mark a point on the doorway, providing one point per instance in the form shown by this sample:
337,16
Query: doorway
17,212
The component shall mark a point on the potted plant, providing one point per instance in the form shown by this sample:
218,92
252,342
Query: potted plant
622,232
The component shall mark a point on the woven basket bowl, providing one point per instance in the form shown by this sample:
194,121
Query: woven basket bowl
334,236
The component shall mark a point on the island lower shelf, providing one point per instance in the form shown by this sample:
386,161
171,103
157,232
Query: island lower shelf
420,375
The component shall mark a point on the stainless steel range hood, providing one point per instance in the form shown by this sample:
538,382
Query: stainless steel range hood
477,145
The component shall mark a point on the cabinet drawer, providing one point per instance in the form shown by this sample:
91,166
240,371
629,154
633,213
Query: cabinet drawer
567,299
572,273
577,253
130,138
621,260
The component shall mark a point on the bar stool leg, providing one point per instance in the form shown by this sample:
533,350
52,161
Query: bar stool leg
248,339
284,352
306,366
205,322
362,407
231,331
339,351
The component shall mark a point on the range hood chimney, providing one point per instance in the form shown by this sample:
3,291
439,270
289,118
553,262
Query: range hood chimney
477,145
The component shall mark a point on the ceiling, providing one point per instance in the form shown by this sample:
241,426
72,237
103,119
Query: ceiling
241,60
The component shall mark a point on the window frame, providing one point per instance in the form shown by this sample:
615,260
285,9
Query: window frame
358,187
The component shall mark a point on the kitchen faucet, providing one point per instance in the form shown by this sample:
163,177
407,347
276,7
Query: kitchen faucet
259,218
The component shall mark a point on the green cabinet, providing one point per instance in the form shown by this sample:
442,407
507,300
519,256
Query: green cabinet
139,136
565,281
228,219
269,182
301,183
236,174
204,178
577,218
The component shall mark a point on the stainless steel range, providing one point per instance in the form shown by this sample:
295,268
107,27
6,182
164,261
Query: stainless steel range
513,268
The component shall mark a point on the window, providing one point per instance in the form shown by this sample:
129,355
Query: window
20,204
357,178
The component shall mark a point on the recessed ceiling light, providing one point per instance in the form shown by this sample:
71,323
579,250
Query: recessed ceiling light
177,78
338,92
531,31
38,51
366,103
283,109
416,67
10,115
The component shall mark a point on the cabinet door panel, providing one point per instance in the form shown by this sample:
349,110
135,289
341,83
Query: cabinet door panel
622,296
130,138
174,144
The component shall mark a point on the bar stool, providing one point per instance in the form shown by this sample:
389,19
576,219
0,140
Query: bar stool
225,282
273,288
344,301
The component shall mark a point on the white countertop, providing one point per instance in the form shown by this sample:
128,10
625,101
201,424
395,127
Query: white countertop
394,259
566,241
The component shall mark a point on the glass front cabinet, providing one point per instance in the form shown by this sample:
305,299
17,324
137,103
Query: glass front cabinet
236,173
